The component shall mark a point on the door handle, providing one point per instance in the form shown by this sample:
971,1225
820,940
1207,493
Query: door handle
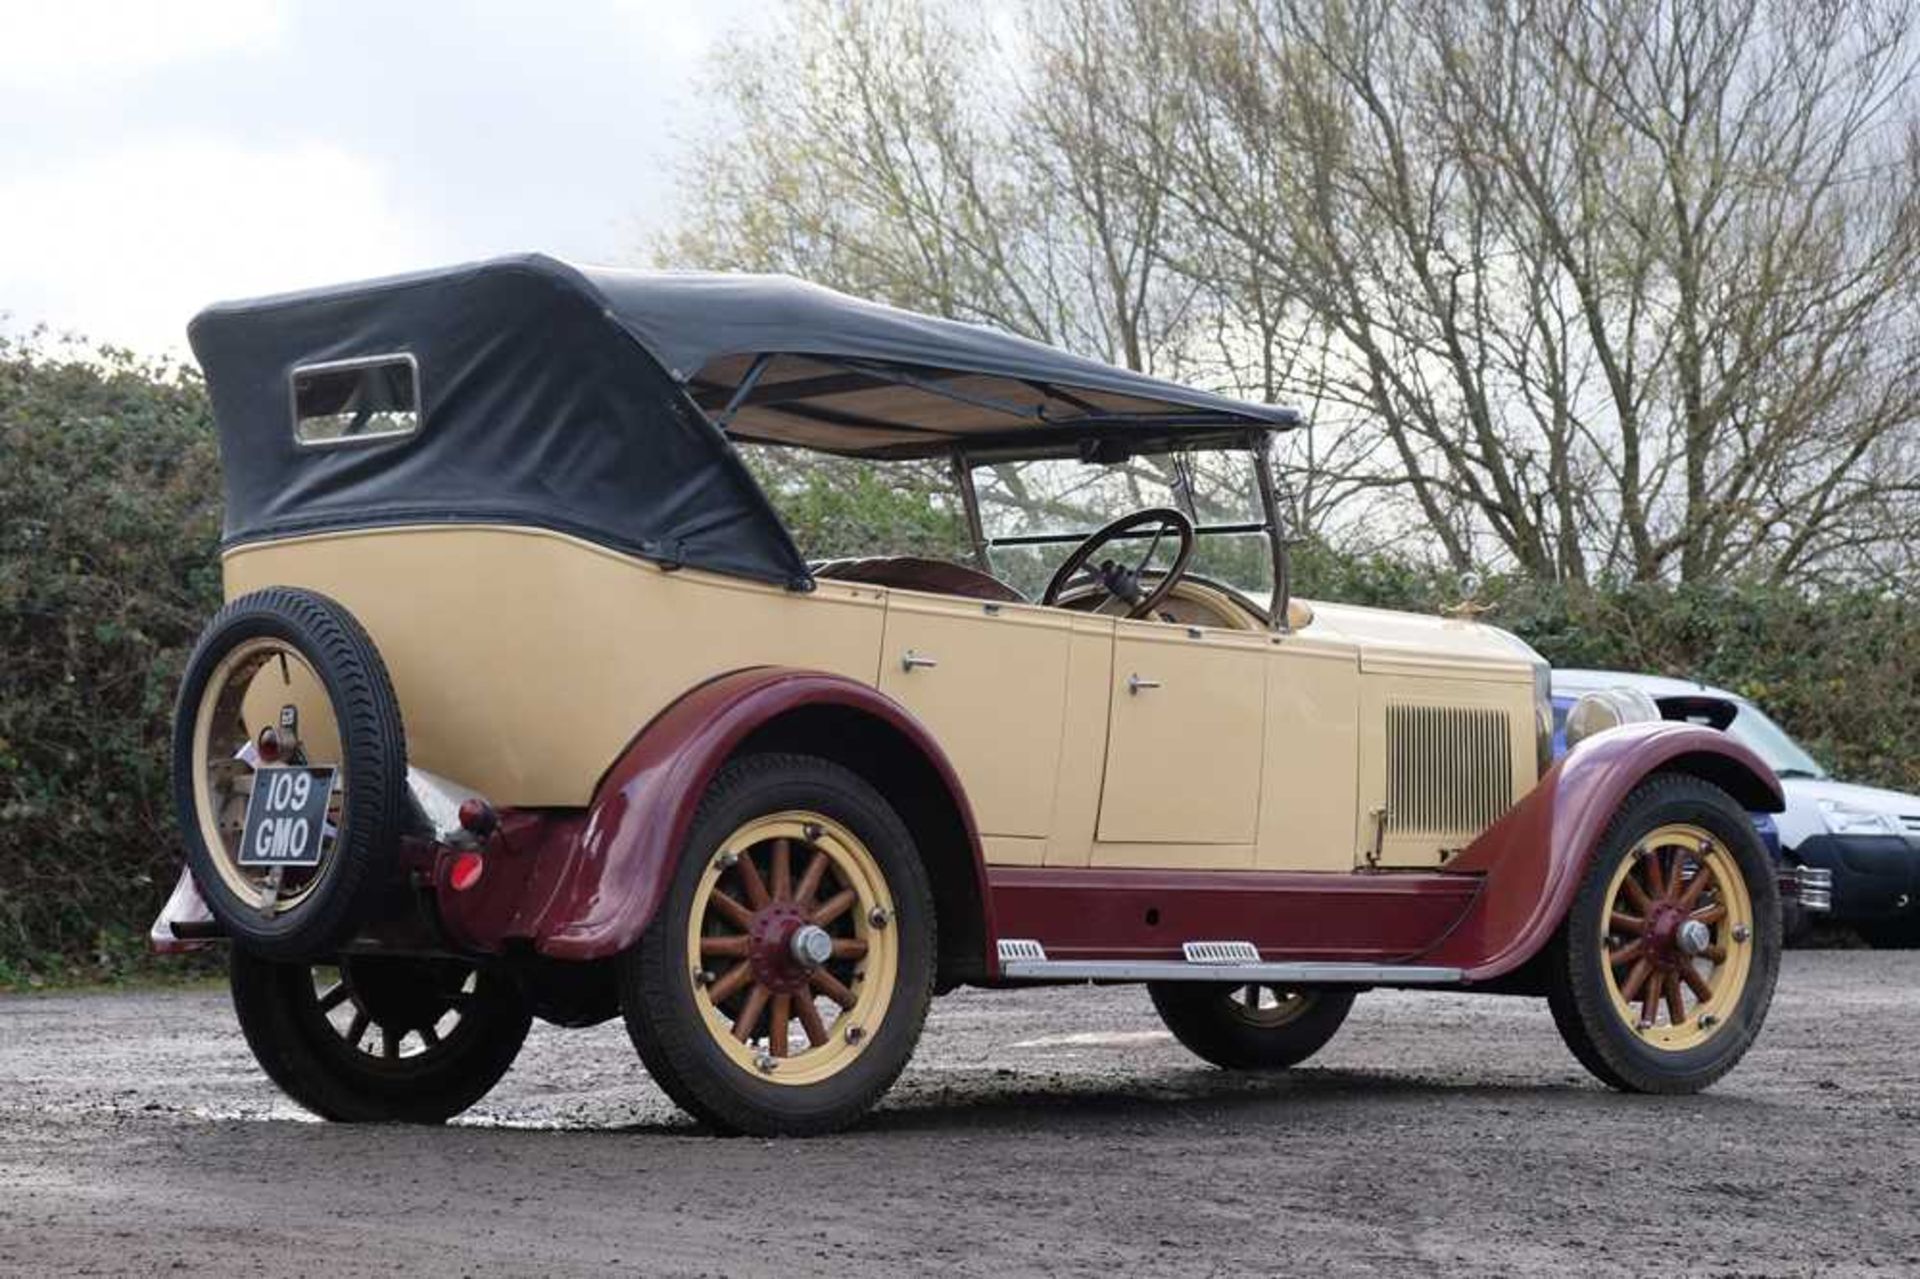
910,661
1135,684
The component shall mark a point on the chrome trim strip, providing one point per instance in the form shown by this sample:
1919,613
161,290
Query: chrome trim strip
1303,974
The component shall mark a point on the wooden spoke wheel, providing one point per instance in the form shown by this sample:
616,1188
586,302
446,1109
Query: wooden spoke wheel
1679,938
1255,1027
784,980
1665,965
791,955
377,1038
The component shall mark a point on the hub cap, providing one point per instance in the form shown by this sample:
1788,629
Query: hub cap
788,949
1679,937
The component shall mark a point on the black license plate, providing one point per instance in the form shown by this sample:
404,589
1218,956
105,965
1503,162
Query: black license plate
286,816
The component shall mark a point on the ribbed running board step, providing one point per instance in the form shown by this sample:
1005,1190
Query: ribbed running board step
1025,960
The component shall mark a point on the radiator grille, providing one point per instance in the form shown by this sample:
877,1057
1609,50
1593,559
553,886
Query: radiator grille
1449,768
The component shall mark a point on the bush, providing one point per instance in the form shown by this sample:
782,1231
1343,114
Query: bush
109,523
109,517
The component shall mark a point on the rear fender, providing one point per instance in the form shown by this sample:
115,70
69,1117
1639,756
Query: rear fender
1534,858
587,889
185,923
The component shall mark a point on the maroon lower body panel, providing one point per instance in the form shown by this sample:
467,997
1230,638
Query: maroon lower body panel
1090,913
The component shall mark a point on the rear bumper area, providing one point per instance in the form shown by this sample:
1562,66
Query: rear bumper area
184,923
1873,876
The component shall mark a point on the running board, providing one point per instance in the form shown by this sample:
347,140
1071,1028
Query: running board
1023,960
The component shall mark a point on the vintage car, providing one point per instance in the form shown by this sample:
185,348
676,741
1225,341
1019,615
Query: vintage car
525,704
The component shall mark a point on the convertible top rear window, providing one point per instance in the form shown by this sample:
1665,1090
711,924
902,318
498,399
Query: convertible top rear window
348,401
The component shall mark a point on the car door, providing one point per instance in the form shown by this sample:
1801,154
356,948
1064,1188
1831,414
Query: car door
989,680
1184,739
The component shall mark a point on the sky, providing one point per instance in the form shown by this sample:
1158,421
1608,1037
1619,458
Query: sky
158,155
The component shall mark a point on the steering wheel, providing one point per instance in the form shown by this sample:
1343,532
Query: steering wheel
1120,581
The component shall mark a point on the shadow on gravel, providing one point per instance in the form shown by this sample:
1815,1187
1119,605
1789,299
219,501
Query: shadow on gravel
987,1103
1016,1106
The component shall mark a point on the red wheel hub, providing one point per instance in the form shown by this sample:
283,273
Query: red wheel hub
770,947
1663,934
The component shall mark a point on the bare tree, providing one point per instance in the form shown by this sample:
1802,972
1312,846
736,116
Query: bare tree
1593,287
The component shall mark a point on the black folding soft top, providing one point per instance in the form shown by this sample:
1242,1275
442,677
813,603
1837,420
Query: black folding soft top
599,402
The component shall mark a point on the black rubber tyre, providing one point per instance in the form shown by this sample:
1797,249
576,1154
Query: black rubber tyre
1216,1025
307,1055
657,989
1577,990
360,865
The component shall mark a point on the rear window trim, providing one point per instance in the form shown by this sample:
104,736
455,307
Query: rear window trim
357,362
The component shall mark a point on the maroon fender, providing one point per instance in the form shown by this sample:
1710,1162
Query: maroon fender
586,889
1534,857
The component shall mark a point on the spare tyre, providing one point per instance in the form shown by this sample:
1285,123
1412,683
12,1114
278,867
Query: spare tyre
289,773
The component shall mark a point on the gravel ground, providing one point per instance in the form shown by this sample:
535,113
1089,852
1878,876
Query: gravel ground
1046,1131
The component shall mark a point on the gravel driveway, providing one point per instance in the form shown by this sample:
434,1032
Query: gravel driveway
1048,1131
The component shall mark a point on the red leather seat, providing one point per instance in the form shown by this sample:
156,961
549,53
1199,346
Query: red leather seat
917,573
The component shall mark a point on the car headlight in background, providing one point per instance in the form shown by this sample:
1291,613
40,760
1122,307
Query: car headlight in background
1843,818
1608,708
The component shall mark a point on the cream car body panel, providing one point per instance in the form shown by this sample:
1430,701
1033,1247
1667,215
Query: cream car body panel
1309,770
526,660
1234,761
1083,743
990,681
1184,739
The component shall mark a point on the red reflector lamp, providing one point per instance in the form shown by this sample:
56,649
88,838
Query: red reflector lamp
267,746
477,815
466,871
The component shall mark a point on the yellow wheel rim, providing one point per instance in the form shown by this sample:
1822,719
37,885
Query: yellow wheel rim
1678,938
792,948
242,696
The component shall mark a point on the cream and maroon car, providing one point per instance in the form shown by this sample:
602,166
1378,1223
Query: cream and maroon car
525,704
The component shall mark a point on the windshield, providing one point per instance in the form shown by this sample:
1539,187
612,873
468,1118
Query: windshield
1034,512
1771,743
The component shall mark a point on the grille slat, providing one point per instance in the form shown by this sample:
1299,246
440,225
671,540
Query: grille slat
1449,768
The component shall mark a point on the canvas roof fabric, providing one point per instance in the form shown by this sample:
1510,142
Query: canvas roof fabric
587,400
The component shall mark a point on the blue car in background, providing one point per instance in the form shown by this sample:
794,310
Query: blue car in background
1865,838
1802,895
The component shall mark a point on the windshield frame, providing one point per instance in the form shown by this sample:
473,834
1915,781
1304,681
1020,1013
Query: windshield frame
1255,445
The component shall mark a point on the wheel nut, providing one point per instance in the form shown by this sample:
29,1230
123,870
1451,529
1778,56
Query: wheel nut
701,977
878,917
765,1063
729,859
855,1034
1741,932
813,832
1708,1021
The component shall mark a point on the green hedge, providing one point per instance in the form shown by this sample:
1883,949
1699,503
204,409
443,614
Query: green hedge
109,517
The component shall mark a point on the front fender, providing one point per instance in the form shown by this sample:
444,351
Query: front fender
1534,858
591,890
